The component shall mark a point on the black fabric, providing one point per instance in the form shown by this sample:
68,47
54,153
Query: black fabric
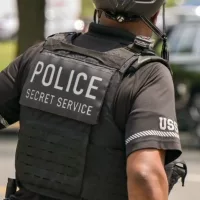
61,162
51,161
86,88
103,38
141,100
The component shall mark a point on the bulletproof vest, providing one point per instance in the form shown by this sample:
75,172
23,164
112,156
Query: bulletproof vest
69,146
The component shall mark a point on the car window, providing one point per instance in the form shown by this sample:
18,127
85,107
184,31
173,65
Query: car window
182,38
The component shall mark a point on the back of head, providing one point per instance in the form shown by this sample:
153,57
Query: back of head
132,10
129,9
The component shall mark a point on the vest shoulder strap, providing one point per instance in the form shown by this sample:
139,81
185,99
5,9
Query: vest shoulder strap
124,59
120,58
143,60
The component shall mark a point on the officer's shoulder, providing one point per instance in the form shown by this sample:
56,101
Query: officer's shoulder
146,60
151,63
150,69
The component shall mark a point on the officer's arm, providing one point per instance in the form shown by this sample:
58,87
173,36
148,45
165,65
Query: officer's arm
151,132
11,84
9,93
146,175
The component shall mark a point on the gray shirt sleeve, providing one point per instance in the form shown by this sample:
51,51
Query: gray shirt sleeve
148,111
11,83
9,92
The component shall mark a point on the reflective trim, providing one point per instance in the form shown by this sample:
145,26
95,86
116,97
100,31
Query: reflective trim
152,133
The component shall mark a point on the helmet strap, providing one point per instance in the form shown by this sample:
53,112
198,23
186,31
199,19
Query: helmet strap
165,52
97,16
162,35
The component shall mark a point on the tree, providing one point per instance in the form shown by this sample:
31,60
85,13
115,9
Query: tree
32,22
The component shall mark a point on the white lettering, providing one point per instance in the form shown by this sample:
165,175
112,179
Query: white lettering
82,109
50,67
91,86
56,86
36,71
35,97
64,103
176,127
70,103
170,125
52,97
89,110
32,94
46,98
28,93
77,81
163,123
59,102
75,105
79,107
70,81
41,96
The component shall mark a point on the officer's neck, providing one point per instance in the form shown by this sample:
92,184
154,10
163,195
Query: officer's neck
137,28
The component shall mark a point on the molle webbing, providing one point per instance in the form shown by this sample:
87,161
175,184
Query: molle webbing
65,159
52,159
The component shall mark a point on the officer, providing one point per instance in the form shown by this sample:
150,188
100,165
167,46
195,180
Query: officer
96,110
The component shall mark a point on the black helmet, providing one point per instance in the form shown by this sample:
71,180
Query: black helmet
144,8
131,10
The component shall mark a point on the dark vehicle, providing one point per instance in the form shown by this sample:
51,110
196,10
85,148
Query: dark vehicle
184,46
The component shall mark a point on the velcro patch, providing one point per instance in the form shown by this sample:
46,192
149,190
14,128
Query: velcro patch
66,87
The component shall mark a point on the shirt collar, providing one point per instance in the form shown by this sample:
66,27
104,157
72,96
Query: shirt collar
121,35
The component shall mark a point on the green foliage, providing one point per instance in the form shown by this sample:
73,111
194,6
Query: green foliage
87,8
170,3
7,53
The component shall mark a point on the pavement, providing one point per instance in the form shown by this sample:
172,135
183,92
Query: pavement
190,191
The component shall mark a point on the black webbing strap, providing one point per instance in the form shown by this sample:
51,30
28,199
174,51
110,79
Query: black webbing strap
120,58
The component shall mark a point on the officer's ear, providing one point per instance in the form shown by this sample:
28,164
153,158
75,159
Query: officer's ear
154,18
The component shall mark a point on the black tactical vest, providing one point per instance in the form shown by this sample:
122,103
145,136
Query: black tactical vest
69,145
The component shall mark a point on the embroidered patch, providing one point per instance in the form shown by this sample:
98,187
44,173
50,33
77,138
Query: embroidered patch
66,87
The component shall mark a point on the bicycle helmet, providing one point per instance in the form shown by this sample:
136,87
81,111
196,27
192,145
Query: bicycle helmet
131,10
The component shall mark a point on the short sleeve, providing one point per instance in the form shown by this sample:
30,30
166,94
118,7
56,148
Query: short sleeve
11,83
151,120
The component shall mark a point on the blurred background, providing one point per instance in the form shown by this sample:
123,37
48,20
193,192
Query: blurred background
23,23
